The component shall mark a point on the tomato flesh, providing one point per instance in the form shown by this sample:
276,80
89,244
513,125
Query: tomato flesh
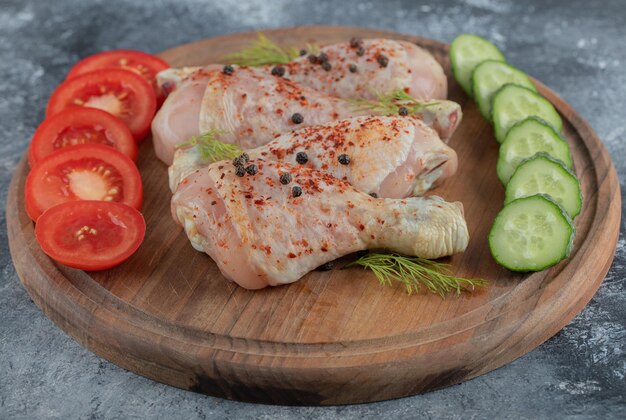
112,98
76,126
91,179
73,136
121,93
145,65
90,235
87,172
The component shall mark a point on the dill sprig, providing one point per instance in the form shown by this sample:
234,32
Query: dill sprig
415,273
390,103
263,51
312,48
210,148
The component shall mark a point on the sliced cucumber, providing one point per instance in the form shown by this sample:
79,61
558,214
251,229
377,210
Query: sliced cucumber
524,140
466,52
542,174
489,76
512,104
531,234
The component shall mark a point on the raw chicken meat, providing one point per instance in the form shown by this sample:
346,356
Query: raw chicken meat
178,119
384,65
390,156
261,232
251,107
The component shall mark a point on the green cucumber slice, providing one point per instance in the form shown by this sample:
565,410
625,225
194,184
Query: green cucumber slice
542,174
489,76
524,140
531,234
466,52
513,103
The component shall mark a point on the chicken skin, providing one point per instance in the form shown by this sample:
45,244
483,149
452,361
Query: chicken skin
352,70
251,107
272,225
390,157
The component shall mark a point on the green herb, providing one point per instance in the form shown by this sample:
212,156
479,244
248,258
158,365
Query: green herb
263,51
391,103
210,148
415,273
312,48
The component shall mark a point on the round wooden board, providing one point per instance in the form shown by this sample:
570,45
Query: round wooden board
333,337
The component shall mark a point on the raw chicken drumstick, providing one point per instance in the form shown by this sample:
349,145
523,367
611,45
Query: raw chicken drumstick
355,69
251,108
391,156
271,225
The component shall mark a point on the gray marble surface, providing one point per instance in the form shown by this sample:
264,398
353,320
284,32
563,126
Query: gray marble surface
575,47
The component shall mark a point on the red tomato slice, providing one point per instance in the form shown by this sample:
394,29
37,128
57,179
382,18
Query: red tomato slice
90,235
87,172
119,92
76,126
145,65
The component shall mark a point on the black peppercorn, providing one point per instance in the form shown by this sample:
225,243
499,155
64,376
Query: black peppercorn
352,68
285,178
297,118
344,159
251,169
360,51
312,58
296,191
241,171
228,69
326,66
404,111
278,71
302,53
322,58
374,195
302,158
382,60
355,42
244,156
238,161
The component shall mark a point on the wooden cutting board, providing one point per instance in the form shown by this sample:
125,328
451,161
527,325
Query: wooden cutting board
333,337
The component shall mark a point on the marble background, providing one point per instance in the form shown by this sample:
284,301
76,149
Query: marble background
575,47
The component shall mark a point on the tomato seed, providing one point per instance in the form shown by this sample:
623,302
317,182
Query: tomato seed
80,233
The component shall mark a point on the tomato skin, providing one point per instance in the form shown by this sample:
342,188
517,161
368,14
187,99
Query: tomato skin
53,179
146,65
108,127
123,89
90,235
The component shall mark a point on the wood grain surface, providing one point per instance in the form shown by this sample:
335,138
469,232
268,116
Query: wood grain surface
333,337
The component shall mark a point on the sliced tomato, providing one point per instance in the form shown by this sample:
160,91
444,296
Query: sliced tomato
76,126
90,235
87,172
145,65
119,92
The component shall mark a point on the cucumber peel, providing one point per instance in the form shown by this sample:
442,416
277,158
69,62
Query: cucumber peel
466,52
513,103
546,175
489,77
531,234
527,138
